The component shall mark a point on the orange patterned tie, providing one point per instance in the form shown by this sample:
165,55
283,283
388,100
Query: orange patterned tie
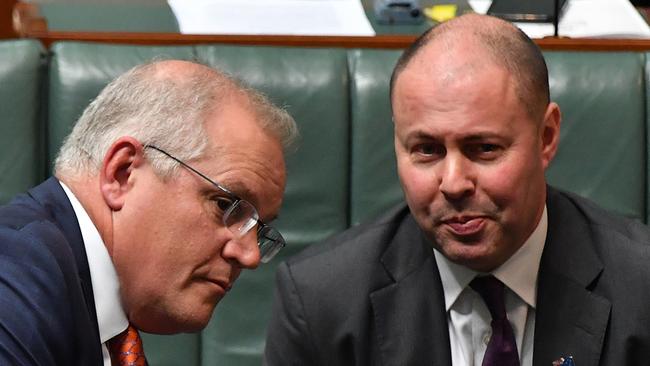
126,349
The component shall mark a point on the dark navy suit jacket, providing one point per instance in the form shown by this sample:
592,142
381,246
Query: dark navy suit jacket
373,295
47,311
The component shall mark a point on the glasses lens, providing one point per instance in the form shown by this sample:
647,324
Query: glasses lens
270,242
240,218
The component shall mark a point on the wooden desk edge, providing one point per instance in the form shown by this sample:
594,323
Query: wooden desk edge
381,41
28,23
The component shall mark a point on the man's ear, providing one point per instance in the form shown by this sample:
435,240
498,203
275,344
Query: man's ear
124,155
550,133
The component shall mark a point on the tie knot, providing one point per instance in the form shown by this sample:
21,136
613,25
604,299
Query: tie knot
492,291
126,348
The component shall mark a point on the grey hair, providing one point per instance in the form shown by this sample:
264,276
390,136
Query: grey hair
161,109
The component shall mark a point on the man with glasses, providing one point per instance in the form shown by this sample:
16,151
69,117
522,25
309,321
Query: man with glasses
161,196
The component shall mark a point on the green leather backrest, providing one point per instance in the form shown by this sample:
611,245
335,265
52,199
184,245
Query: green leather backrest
21,141
647,132
602,152
374,186
312,85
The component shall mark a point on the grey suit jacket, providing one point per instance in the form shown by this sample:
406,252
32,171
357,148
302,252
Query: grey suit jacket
373,296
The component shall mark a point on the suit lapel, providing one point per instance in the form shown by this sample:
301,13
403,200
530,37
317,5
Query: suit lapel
570,319
52,197
409,313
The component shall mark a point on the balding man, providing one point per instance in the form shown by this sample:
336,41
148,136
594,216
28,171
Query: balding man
159,200
487,265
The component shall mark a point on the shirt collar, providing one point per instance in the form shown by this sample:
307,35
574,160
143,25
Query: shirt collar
111,318
518,273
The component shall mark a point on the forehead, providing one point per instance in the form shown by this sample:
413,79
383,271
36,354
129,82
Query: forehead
243,157
456,90
442,64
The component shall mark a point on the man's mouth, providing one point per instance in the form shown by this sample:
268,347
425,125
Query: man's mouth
465,225
224,285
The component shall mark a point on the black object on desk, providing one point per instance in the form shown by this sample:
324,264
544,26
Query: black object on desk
398,12
542,11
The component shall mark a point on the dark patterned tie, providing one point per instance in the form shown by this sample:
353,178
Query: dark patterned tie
126,348
502,348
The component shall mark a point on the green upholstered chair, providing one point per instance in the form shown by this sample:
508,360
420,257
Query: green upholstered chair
21,140
374,186
646,80
602,152
312,85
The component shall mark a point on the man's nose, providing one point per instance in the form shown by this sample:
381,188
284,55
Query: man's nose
456,178
243,250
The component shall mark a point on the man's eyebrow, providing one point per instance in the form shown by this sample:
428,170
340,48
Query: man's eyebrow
239,189
422,135
483,136
427,134
242,191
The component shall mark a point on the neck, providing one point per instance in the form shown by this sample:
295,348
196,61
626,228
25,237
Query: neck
86,190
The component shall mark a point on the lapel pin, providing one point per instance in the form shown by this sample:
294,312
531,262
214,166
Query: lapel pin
564,361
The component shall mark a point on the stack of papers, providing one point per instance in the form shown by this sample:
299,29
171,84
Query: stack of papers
586,18
273,17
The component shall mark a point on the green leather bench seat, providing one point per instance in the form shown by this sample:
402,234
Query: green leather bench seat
374,186
602,153
21,137
343,170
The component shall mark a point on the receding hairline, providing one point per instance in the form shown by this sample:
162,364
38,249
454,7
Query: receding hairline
182,70
505,46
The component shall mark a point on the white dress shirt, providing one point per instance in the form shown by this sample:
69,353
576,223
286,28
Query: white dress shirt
106,287
468,317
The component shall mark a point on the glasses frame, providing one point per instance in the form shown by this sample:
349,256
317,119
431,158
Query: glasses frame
262,228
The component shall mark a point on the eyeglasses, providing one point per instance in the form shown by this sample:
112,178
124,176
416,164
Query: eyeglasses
240,216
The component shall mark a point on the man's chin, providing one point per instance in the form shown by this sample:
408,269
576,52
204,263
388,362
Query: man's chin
174,322
473,254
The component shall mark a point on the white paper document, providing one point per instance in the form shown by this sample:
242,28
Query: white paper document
587,19
272,17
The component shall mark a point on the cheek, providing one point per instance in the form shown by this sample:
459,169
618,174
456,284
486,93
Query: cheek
419,185
166,239
514,183
501,184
